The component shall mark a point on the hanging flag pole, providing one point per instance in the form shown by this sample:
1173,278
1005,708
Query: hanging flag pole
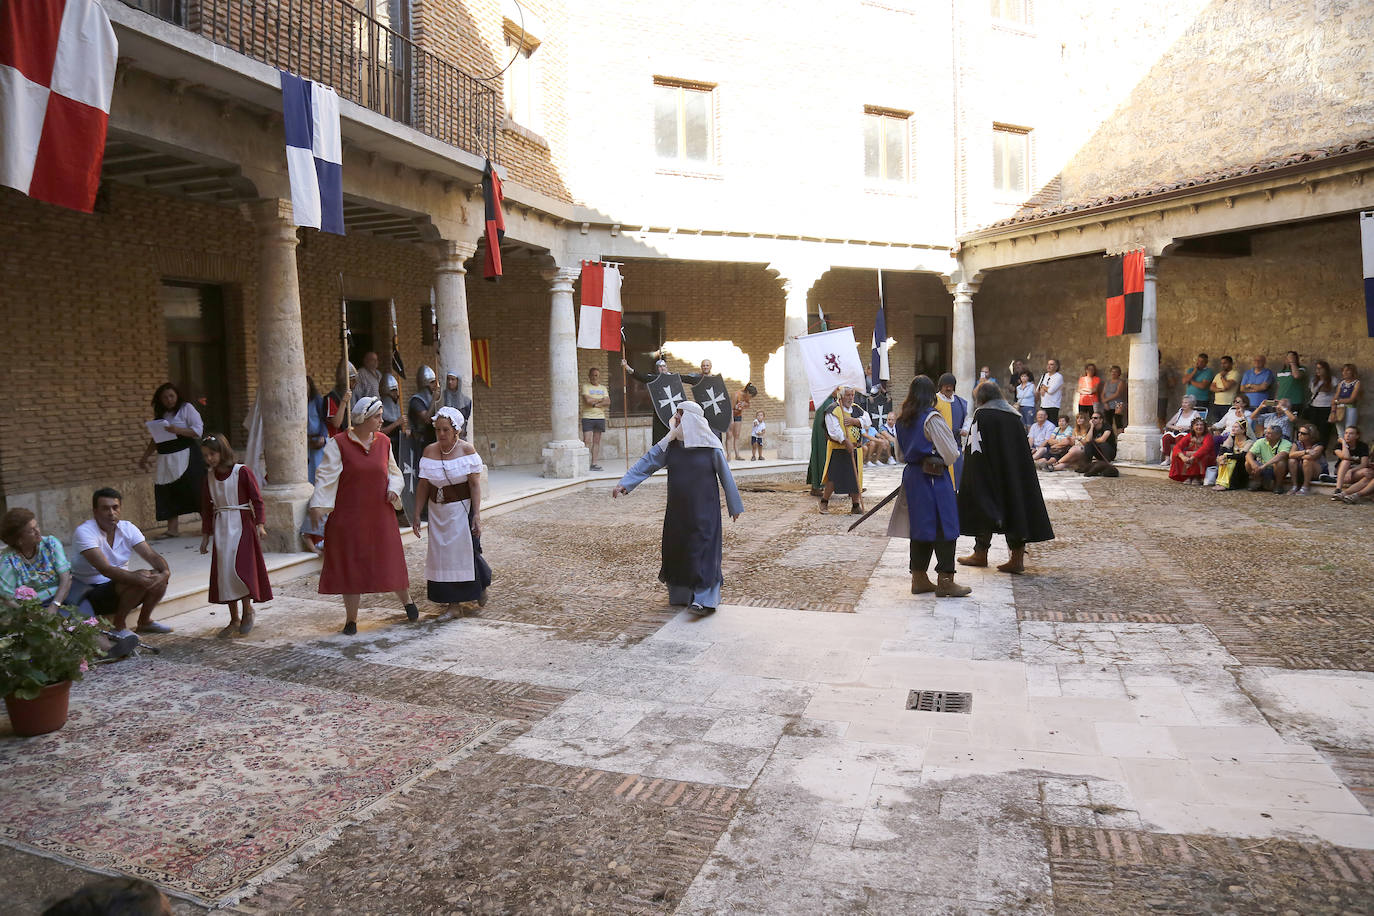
341,376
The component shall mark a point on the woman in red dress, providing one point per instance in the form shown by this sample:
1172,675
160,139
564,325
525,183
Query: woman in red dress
1194,454
358,485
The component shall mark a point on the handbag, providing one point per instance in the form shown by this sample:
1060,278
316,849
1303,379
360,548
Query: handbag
933,466
1225,467
1339,412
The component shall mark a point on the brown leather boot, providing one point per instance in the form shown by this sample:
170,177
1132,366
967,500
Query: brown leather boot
946,588
921,584
1017,564
976,558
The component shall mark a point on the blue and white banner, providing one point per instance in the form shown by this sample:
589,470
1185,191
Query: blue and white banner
1367,256
314,152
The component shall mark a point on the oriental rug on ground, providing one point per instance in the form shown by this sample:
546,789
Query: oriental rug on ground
208,782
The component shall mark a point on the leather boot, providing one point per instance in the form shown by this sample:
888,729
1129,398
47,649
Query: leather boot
945,587
921,584
976,558
1017,564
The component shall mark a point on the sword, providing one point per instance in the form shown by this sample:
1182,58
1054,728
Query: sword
885,500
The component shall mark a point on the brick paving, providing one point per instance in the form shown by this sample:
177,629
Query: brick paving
1279,580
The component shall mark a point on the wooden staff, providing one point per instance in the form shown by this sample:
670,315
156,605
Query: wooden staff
341,376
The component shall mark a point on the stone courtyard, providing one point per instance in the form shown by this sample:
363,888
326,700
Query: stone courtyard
1172,712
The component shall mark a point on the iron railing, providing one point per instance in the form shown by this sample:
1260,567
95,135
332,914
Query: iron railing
364,60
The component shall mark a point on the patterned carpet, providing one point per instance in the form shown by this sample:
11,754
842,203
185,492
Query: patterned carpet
270,772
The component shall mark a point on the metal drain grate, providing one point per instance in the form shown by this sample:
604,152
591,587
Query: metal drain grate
939,701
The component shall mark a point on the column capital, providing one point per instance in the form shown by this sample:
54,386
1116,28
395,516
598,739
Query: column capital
272,215
452,253
561,279
798,278
963,288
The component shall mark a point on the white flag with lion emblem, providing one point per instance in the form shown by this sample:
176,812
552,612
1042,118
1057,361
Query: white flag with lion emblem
831,358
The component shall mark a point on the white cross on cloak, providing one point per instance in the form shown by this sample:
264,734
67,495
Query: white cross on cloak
713,400
975,439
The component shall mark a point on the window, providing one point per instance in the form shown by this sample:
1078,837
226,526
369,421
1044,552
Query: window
684,122
885,145
522,81
1011,10
1010,160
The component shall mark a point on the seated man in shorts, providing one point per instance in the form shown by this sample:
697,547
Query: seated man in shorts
104,545
1267,460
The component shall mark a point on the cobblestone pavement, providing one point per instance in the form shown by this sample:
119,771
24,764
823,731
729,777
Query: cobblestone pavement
1138,741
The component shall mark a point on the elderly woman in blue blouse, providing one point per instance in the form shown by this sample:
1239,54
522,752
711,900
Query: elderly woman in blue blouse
695,460
32,559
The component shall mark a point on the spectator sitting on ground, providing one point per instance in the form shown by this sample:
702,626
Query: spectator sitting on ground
1306,460
1194,454
887,431
1101,448
1177,428
1256,382
1076,458
32,559
1267,461
1060,441
1038,435
1352,453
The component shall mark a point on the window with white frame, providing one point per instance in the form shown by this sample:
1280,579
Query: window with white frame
684,122
1017,11
1010,160
522,80
887,150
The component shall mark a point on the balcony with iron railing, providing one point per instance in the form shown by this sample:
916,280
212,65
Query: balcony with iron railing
366,61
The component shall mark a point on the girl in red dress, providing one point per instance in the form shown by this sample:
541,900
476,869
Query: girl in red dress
231,513
358,484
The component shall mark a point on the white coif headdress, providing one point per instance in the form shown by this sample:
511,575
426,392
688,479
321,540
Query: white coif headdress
453,415
365,408
693,429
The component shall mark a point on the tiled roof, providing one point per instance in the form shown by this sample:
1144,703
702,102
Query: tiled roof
1032,214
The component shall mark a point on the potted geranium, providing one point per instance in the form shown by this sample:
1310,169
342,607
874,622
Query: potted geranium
41,653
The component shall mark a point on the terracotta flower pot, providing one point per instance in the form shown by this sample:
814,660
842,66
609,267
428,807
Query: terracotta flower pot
45,713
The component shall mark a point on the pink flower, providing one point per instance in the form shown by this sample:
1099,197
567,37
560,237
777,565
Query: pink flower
24,592
90,621
84,667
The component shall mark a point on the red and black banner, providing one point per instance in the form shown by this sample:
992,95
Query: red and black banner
495,223
1125,293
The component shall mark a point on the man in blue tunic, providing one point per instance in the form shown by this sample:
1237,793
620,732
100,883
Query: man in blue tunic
695,460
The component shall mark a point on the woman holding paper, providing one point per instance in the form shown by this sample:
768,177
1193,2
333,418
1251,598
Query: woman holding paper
175,432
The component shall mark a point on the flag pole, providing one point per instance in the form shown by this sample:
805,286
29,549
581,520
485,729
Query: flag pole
341,377
625,397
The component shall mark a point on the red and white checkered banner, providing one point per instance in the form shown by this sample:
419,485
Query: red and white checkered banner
599,324
57,69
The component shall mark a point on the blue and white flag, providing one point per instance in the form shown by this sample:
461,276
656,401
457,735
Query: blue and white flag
1367,256
878,365
314,152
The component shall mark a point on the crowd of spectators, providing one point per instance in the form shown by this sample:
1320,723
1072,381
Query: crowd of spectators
1259,429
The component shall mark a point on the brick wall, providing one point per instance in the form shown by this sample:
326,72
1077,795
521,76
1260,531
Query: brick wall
86,345
473,36
1299,290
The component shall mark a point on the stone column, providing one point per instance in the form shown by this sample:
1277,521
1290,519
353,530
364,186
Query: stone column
451,308
565,456
963,355
281,375
794,442
1140,440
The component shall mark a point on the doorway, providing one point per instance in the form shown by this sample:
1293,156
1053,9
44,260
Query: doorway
360,330
193,318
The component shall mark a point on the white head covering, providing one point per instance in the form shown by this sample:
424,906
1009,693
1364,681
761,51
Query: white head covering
453,415
693,430
366,407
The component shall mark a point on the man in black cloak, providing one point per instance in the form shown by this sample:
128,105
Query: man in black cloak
1000,491
692,543
815,471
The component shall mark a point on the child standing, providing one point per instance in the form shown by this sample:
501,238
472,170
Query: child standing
756,434
232,512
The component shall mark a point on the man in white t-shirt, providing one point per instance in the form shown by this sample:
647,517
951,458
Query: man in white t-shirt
103,546
1051,390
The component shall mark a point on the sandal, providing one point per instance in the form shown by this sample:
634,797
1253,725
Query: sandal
825,506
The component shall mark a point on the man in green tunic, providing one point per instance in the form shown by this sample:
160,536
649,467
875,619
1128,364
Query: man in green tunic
816,469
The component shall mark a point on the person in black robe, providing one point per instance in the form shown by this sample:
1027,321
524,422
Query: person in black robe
419,435
661,368
1000,491
692,543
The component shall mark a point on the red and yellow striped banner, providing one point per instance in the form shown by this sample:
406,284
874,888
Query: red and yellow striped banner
481,359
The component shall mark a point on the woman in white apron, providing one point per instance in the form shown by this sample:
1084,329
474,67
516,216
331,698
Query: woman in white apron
450,475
